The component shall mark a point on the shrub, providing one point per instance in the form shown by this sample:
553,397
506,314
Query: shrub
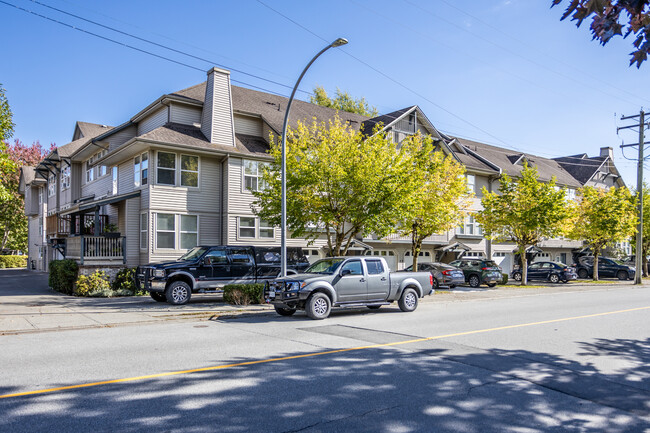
505,279
243,294
63,274
95,284
124,283
13,261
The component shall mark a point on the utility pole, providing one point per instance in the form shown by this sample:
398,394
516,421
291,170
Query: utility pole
639,190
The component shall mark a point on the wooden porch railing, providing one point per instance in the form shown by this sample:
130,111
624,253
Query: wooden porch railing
86,249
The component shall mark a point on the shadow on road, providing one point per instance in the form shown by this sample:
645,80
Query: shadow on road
425,387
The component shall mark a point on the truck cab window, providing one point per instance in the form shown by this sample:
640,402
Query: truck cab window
354,266
216,257
374,267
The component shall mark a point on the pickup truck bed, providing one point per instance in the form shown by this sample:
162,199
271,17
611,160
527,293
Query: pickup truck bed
346,282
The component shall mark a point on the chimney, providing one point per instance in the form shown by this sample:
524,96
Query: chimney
216,119
607,151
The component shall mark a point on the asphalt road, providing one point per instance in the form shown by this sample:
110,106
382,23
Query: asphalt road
569,361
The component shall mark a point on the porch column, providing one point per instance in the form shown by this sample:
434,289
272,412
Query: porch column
97,224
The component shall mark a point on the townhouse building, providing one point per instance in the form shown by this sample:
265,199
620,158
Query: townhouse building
181,172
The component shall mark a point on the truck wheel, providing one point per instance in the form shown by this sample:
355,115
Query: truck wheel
409,300
178,293
158,297
622,275
318,306
582,273
285,311
474,281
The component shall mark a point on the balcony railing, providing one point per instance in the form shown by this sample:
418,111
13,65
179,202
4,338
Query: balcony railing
95,249
57,226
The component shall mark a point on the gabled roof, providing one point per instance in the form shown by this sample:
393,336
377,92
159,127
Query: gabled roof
501,157
385,120
581,166
88,129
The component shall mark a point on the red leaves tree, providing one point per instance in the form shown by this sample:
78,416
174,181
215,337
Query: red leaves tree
605,23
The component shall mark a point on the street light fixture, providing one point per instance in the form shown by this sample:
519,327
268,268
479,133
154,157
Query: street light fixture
283,235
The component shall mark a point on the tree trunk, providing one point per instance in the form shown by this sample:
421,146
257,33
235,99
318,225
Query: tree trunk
416,245
524,265
596,251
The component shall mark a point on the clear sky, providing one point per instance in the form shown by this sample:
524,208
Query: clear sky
505,72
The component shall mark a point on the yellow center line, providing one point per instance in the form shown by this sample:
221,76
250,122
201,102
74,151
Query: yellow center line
307,355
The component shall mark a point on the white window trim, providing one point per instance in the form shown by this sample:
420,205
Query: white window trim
153,222
146,231
239,227
471,187
175,169
180,171
258,175
181,231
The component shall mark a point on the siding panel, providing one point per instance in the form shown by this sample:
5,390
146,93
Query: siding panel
119,138
155,120
248,125
185,114
132,232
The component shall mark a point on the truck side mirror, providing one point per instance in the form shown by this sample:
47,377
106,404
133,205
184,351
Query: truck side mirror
345,272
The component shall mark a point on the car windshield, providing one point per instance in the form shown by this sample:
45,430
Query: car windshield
325,266
194,253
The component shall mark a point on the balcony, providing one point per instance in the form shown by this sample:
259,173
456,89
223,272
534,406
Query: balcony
57,226
96,249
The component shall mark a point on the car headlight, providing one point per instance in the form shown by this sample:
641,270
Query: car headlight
159,273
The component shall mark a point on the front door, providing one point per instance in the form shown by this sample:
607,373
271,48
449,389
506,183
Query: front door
352,287
378,281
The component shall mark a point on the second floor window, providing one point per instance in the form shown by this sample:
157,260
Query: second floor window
189,170
471,183
40,196
253,171
470,227
141,169
51,186
166,174
65,178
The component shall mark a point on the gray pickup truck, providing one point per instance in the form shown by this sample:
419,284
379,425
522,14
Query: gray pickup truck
346,282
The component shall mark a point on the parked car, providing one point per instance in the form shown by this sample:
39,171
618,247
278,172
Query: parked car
206,269
479,271
548,271
346,282
444,275
607,268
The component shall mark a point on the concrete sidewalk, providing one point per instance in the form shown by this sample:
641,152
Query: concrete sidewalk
27,304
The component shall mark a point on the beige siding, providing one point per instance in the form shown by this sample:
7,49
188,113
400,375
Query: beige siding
239,199
31,200
153,121
125,177
99,187
209,229
248,125
267,131
121,137
216,118
76,174
132,232
184,114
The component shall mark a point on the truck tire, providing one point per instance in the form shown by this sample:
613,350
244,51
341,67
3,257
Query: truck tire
409,300
285,311
474,280
178,293
158,297
517,276
318,306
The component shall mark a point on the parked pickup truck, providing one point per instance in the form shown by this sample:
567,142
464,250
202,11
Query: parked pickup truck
346,282
206,269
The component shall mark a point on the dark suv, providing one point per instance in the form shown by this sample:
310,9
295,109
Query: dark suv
607,267
479,271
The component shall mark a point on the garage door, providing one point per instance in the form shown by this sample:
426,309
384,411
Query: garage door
423,256
504,260
389,255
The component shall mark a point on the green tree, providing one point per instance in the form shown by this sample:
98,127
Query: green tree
437,204
343,101
606,21
525,211
603,217
341,184
645,241
6,131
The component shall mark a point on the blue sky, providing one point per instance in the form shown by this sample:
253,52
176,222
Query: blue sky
503,72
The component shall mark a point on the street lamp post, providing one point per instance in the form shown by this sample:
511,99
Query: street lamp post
283,236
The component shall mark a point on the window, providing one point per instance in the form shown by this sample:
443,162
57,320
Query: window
470,227
189,231
166,168
570,194
354,267
65,178
51,186
266,229
102,170
90,172
375,267
246,227
474,254
143,231
253,171
471,183
499,254
114,172
166,231
216,257
136,171
189,170
240,255
144,168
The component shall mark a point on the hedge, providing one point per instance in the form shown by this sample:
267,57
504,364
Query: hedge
505,279
243,294
63,275
13,261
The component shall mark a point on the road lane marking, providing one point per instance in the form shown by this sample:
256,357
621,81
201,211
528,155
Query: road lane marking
307,355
